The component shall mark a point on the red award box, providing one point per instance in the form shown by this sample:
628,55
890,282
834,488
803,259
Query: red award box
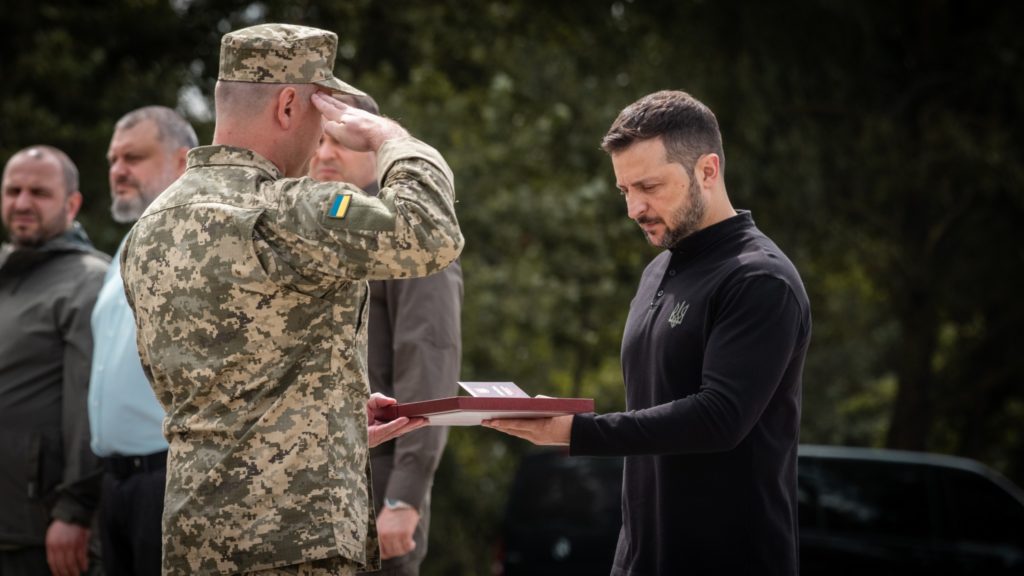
470,410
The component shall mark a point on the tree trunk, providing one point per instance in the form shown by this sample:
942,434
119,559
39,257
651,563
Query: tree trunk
912,412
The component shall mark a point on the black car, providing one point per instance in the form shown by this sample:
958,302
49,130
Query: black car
862,511
562,517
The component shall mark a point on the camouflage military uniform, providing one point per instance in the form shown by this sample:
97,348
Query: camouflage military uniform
250,296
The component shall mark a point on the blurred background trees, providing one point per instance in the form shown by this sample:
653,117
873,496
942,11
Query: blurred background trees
880,144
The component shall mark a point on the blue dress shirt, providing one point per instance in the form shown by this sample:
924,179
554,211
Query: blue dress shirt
125,418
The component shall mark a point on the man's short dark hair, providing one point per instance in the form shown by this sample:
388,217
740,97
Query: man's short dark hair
687,127
67,167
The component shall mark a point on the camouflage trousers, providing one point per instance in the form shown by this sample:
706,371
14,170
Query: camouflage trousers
336,566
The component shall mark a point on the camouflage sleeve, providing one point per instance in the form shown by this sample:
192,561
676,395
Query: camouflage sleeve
331,230
164,399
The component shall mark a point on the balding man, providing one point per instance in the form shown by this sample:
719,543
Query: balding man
249,285
49,277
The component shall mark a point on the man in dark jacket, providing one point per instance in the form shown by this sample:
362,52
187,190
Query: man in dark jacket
49,277
414,352
712,358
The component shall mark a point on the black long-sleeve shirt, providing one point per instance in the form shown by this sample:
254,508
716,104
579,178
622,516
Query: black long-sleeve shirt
712,356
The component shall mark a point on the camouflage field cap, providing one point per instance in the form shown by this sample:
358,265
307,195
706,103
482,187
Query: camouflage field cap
282,54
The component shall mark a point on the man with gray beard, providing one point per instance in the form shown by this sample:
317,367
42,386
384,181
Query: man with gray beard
146,154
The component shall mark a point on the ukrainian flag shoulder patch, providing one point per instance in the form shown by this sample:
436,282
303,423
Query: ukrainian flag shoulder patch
339,206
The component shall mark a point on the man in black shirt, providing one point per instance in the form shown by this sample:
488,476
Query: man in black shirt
712,357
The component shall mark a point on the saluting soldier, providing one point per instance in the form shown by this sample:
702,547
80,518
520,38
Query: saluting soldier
249,285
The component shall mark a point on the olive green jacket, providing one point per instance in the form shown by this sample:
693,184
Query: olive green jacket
46,299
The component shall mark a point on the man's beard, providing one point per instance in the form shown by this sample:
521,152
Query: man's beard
45,231
125,210
687,217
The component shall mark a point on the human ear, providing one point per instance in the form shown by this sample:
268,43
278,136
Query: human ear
73,203
287,104
708,168
181,158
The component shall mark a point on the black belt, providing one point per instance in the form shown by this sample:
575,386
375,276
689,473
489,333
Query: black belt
124,466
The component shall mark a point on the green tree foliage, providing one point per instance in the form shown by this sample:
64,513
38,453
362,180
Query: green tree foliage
878,143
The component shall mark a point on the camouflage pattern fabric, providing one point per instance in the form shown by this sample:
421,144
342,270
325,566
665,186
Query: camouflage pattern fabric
251,303
282,54
336,566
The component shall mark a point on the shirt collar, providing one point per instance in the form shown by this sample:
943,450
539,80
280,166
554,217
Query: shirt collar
218,155
702,239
